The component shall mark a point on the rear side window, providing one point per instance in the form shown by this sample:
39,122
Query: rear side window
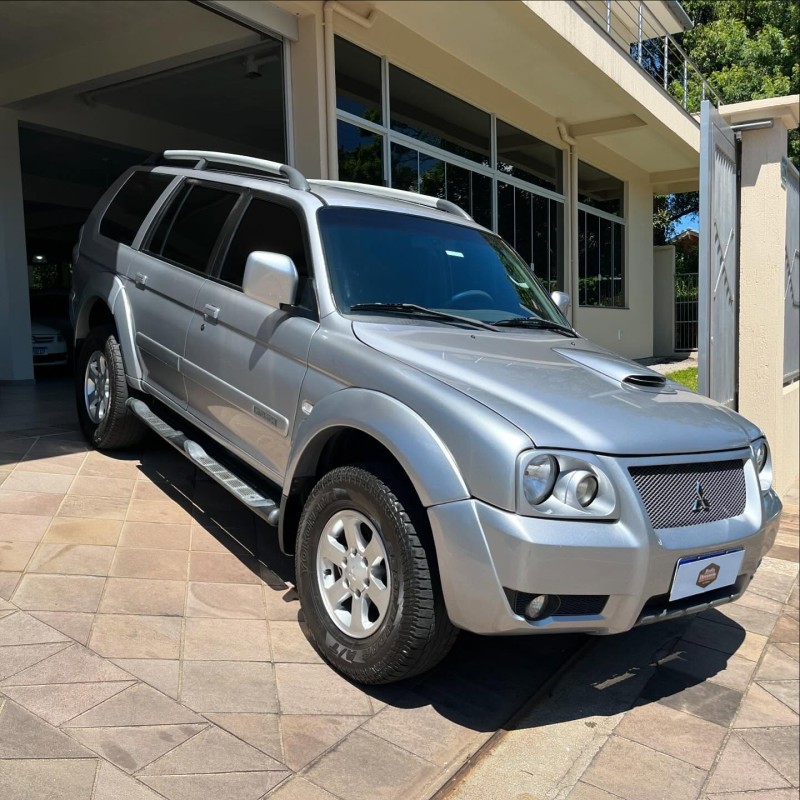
130,206
190,229
266,226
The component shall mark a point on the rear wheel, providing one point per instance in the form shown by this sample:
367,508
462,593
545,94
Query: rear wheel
102,392
367,581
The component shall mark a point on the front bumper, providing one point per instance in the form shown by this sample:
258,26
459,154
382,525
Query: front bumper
486,555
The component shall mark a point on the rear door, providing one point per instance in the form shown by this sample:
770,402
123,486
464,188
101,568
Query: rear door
166,277
245,361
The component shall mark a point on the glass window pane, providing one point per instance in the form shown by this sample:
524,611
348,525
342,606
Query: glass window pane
431,176
601,261
197,226
523,224
506,225
540,233
360,154
525,157
424,112
458,186
600,190
481,186
131,205
556,244
358,81
405,168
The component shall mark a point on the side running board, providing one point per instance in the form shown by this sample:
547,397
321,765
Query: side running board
254,500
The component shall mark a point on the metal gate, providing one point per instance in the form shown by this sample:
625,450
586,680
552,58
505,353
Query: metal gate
718,304
686,312
791,313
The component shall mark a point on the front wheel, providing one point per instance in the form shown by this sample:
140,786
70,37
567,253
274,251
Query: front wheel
102,392
366,580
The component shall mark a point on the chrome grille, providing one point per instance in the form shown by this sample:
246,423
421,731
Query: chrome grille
43,339
670,492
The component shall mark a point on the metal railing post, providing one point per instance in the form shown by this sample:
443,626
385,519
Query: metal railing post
685,83
608,16
666,61
641,22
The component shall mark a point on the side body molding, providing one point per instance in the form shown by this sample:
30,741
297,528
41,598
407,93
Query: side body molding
422,454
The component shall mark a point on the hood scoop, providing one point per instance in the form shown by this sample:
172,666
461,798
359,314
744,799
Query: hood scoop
616,368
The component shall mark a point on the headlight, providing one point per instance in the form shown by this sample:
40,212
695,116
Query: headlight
564,484
763,462
539,478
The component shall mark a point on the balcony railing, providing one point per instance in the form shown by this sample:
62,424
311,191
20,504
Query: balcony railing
633,26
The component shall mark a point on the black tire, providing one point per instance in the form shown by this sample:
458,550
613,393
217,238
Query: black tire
118,428
415,633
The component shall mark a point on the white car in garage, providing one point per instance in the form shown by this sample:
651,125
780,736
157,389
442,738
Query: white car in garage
49,345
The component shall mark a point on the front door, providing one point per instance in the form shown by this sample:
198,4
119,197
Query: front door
245,361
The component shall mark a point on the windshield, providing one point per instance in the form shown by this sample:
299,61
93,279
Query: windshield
383,257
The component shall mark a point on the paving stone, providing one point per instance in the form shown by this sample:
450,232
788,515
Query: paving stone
139,705
788,692
241,785
47,779
297,788
786,629
213,750
157,511
24,735
400,773
133,748
59,592
75,664
709,701
777,666
764,794
760,710
317,689
705,663
726,638
72,559
76,625
778,746
14,659
305,737
59,702
38,482
112,784
22,527
226,640
15,555
740,768
101,466
282,604
585,791
155,535
751,619
790,648
760,603
8,583
161,674
36,503
225,600
21,628
143,596
666,777
150,563
222,568
262,731
77,530
91,486
136,636
673,732
289,644
62,465
76,505
230,686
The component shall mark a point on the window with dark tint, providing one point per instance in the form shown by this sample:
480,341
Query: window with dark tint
600,190
131,205
360,154
188,232
358,81
272,228
525,157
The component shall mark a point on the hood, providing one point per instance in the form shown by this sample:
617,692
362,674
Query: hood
565,393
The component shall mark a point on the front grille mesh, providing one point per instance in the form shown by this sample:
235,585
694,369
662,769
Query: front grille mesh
670,496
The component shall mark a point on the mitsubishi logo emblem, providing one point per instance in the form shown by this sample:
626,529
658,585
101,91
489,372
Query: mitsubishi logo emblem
700,502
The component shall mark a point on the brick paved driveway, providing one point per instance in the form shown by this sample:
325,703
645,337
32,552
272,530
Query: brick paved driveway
151,644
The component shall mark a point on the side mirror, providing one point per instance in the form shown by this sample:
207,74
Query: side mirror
270,278
561,299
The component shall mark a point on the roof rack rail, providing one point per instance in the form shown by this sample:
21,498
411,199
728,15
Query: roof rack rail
296,178
397,194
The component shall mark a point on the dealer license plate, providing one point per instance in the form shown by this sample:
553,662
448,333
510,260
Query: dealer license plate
40,351
698,574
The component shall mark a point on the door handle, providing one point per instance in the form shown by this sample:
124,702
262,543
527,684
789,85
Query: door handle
140,280
210,312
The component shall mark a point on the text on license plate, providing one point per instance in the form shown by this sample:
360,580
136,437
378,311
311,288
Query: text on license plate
698,574
40,351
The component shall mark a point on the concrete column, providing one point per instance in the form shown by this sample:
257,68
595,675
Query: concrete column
664,300
762,397
16,359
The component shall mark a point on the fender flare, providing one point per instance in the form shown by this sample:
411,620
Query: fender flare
421,453
110,290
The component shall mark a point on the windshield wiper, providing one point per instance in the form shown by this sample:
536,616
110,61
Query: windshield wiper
415,310
534,322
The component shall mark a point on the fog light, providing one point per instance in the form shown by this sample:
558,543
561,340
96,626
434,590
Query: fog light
536,606
586,490
761,456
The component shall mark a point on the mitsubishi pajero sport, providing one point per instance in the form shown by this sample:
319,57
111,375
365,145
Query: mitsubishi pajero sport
387,383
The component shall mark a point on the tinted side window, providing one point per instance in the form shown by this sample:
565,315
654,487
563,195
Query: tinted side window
131,205
270,227
187,236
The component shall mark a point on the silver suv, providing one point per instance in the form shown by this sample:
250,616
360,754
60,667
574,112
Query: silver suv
386,383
